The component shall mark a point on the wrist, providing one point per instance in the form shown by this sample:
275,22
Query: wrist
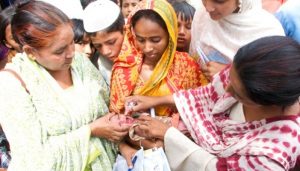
170,100
92,128
162,134
167,100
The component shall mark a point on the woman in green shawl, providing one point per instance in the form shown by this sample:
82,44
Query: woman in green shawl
53,101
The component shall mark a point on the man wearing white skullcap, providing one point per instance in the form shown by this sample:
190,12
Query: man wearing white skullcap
104,23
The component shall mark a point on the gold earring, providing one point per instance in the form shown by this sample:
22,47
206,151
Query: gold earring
31,57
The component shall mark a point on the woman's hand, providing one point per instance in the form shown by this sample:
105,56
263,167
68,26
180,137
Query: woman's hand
151,128
138,103
212,68
127,152
112,131
142,103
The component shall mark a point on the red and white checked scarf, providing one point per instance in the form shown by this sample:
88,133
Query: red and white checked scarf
238,145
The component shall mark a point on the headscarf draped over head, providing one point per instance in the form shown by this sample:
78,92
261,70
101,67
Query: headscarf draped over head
167,13
130,60
127,67
225,36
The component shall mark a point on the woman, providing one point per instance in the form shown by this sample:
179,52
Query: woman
8,49
152,66
60,99
220,28
6,36
246,119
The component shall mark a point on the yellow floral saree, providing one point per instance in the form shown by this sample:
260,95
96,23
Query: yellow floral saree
173,72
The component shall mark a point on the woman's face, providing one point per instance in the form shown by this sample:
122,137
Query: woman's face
184,34
237,90
151,39
10,42
84,46
60,52
219,9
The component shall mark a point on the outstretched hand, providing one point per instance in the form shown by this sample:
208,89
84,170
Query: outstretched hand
138,104
212,68
151,127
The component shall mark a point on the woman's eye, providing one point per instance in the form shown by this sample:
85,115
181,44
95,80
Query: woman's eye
155,40
140,40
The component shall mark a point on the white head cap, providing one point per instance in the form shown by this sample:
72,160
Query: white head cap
72,8
99,15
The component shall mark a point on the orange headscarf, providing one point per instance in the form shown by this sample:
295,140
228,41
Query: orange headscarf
173,72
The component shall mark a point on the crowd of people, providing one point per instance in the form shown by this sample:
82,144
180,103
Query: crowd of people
215,85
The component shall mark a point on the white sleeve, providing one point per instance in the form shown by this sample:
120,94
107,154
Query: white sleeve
183,154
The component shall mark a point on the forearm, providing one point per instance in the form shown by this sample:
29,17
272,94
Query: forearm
165,100
191,155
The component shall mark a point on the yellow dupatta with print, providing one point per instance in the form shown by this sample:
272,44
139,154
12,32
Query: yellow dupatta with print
173,72
164,9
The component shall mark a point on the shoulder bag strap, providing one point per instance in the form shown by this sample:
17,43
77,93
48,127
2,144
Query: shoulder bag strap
17,76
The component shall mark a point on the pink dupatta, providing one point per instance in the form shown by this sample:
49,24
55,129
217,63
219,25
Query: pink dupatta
238,145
